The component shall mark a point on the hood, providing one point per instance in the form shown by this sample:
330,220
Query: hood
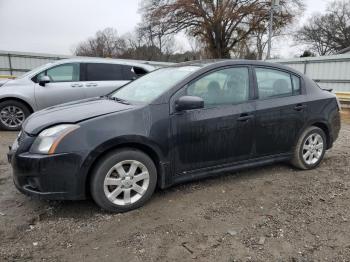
3,81
73,112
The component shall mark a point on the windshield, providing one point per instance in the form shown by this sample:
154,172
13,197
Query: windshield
152,85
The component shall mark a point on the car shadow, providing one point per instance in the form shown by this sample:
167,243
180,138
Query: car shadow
87,208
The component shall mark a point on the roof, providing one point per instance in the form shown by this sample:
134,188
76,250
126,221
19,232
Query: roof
80,58
143,64
227,62
344,51
148,66
201,63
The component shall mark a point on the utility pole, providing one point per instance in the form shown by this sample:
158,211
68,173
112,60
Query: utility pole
275,4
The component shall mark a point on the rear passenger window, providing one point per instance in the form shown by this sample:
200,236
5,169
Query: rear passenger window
128,73
139,71
133,72
103,72
275,83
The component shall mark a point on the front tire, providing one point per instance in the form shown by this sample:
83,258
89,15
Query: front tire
310,148
123,180
12,115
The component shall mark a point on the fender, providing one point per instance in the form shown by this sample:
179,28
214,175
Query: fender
129,140
321,123
21,99
133,141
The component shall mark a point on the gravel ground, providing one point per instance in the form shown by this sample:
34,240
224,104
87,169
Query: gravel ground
274,213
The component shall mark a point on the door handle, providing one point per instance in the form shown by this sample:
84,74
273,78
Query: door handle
91,84
244,117
299,107
76,85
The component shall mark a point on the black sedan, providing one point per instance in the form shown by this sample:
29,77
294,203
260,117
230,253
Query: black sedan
176,124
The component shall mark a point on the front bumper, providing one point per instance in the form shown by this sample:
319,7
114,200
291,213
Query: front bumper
53,177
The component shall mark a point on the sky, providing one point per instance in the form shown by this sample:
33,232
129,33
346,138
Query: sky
57,26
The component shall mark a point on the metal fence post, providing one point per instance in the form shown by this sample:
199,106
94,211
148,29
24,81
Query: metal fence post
305,67
10,63
268,56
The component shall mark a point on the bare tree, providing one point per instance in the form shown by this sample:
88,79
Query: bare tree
105,43
327,33
197,47
156,34
220,24
146,45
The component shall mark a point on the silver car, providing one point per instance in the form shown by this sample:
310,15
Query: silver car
63,81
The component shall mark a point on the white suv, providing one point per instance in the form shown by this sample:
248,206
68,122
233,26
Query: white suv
63,81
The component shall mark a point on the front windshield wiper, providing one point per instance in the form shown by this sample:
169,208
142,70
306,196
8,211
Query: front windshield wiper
119,100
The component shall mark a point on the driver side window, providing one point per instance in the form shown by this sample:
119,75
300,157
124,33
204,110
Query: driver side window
223,87
62,73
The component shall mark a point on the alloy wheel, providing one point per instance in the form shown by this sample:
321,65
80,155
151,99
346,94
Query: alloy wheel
12,116
313,149
126,182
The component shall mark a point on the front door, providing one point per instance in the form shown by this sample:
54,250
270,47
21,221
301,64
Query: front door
280,111
222,132
65,86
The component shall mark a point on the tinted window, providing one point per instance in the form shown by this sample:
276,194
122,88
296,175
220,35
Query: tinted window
273,83
62,73
227,86
133,72
128,73
139,71
103,72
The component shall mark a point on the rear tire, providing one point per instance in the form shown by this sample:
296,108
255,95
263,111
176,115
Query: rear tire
123,180
12,115
310,148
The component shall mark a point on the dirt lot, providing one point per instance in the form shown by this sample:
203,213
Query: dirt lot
273,213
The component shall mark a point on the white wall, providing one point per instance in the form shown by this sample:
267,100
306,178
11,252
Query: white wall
17,63
329,71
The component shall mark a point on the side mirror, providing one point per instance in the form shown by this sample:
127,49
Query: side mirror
44,80
188,103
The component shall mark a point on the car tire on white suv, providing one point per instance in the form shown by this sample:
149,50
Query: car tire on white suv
12,115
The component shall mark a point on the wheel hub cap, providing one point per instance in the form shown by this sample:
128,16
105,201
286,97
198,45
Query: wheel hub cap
313,149
127,182
12,116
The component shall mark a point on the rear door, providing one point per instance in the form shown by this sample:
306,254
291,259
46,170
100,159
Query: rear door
103,78
65,85
280,111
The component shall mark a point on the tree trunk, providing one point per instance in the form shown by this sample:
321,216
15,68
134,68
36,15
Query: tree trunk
218,47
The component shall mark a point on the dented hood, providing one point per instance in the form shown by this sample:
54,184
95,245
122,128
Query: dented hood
73,112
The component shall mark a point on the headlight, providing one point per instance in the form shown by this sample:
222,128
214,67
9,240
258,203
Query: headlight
48,140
